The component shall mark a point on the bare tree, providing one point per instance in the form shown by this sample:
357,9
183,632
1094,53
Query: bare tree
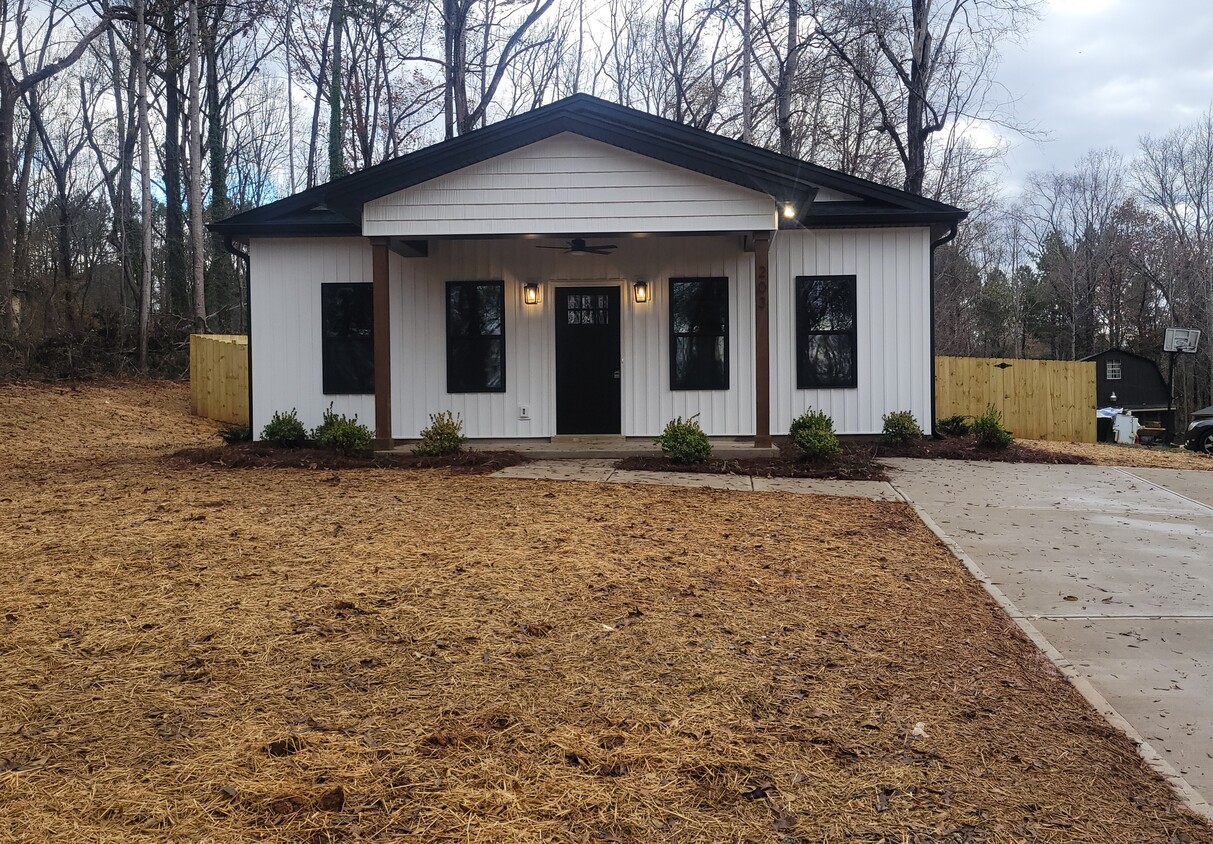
12,92
939,56
145,185
487,65
195,190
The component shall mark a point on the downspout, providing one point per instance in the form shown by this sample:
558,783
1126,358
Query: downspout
243,257
935,244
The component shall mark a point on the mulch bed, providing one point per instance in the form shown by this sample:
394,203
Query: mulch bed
854,464
966,448
264,456
1133,456
859,461
193,654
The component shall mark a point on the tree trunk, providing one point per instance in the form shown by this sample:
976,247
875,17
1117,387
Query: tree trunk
787,78
8,115
917,131
290,107
459,88
145,184
448,41
21,234
195,131
747,82
222,284
336,160
176,270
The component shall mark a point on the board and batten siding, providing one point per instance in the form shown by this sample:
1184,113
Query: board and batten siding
893,293
568,183
284,301
892,267
419,346
286,279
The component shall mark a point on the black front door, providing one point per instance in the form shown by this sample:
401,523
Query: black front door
587,360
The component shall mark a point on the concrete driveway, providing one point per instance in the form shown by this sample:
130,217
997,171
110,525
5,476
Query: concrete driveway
1113,566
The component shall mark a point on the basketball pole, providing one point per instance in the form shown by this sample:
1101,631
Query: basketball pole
1171,398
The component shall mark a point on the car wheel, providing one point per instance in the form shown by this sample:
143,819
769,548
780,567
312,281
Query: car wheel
1205,444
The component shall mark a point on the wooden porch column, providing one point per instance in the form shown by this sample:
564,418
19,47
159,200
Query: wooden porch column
762,341
380,304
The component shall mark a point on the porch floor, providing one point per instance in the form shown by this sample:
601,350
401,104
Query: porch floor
603,448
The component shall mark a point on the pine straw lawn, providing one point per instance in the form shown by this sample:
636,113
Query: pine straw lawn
1129,456
195,653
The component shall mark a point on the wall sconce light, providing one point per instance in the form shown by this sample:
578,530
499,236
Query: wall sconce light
530,293
1113,398
641,291
789,210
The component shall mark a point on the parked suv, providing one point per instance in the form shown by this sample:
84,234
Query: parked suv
1200,436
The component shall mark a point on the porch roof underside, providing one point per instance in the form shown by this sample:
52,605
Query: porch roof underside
336,208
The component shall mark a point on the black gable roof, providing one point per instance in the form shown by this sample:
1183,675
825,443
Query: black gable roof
335,208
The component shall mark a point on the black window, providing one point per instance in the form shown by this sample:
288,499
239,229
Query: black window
475,336
347,329
699,333
825,331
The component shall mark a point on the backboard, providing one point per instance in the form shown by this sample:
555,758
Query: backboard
1181,340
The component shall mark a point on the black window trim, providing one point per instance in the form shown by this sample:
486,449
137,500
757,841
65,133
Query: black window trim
325,341
673,335
853,282
500,284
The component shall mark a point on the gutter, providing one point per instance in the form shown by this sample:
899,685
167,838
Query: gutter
243,257
935,244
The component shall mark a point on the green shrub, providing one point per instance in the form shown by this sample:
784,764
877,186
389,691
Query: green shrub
284,430
900,428
816,443
232,434
953,426
989,430
816,420
813,435
683,441
443,436
344,435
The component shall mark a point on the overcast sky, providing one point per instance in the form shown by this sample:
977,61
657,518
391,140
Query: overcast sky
1098,73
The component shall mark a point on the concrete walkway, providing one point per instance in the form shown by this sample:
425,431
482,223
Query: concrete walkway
604,471
1113,566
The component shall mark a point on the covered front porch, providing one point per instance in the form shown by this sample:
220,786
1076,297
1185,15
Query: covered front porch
534,343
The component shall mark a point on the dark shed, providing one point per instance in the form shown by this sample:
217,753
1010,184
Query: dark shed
1136,381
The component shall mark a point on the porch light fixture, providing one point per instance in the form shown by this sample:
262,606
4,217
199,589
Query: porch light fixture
789,210
530,293
641,291
1113,398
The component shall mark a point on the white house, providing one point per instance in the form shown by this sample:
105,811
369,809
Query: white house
590,269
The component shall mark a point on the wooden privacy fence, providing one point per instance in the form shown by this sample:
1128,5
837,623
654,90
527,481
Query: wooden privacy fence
1039,399
219,377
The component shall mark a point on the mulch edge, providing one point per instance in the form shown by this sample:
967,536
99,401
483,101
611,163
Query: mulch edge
263,456
859,461
966,448
1188,797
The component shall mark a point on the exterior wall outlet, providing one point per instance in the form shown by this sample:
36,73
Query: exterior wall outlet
524,412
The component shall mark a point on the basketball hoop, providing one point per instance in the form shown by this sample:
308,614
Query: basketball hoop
1181,341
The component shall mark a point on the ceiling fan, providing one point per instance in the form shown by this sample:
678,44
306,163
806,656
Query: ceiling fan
577,246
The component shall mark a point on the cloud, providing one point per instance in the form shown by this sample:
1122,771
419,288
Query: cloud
1099,73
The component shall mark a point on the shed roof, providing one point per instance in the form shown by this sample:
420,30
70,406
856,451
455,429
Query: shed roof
335,208
1120,351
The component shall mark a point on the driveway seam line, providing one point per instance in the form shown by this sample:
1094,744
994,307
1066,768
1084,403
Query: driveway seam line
1186,793
1138,477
